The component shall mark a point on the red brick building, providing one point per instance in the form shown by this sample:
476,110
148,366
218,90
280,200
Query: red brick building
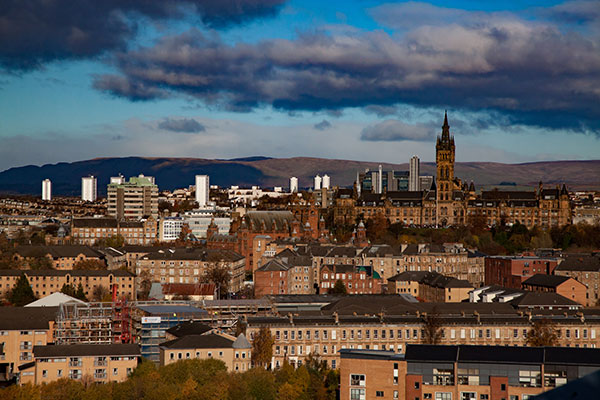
461,372
511,271
358,279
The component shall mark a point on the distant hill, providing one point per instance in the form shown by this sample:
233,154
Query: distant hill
174,173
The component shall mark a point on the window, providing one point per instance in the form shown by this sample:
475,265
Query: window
357,394
503,387
484,396
115,371
44,373
396,394
468,396
417,385
442,396
59,373
379,393
427,396
357,380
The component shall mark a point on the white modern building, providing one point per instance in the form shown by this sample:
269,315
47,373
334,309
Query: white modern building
326,182
414,184
202,190
118,180
198,224
318,182
47,189
89,188
169,228
293,184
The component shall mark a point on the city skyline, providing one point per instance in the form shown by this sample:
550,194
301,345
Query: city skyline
365,80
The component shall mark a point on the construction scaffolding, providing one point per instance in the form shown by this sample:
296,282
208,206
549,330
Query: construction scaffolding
84,323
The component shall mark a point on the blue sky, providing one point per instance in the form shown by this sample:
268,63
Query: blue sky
361,80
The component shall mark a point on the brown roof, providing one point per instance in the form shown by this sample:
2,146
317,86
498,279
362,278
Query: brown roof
188,289
69,251
26,318
95,223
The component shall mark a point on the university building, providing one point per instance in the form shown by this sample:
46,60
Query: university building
450,201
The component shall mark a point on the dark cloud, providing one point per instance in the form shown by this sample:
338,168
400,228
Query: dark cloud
394,130
184,125
528,73
33,32
574,11
323,125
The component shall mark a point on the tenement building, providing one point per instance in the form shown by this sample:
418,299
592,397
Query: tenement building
91,231
450,201
191,265
462,372
46,282
391,323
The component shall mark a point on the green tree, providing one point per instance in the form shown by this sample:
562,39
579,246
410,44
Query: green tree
70,290
339,288
262,348
80,293
542,333
114,241
22,293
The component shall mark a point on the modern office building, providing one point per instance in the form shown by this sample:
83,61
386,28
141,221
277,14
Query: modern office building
46,190
133,199
414,184
202,190
89,188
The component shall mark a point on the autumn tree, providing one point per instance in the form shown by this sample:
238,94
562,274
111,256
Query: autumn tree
542,333
145,285
21,293
100,293
339,288
89,264
262,348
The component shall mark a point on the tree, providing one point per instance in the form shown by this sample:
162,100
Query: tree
542,333
432,327
22,293
220,276
70,290
89,264
339,288
262,348
145,285
100,293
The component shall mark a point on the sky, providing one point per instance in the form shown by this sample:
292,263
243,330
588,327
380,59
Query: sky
361,80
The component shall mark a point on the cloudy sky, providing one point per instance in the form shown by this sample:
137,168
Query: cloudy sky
361,80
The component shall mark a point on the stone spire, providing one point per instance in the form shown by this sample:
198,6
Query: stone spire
446,128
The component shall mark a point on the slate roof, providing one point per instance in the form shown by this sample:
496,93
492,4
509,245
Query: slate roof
539,299
241,342
508,195
82,350
74,272
26,318
206,341
193,253
502,354
272,220
95,223
68,251
409,276
580,262
544,280
189,328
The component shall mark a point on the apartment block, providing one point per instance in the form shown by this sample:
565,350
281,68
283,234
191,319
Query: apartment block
430,286
356,279
586,269
134,199
462,372
562,285
45,282
22,328
62,257
190,265
236,353
102,363
511,271
90,231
